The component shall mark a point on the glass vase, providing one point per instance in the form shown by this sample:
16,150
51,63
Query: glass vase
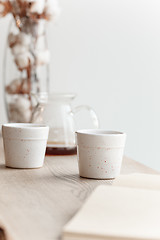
26,61
26,68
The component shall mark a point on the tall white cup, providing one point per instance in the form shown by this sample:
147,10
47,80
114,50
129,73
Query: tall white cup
24,144
100,153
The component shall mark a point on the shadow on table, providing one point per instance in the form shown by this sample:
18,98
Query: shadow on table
2,166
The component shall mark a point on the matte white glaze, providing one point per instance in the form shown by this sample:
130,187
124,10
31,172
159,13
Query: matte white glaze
100,153
24,144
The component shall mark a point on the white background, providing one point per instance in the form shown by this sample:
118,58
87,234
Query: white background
108,52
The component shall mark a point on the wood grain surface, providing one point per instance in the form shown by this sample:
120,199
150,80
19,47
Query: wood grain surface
35,204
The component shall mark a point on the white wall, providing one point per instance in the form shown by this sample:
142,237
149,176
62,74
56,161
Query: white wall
108,52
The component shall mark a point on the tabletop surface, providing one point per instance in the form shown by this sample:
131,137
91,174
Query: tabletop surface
37,203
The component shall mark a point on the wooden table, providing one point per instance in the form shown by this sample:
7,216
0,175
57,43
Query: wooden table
35,204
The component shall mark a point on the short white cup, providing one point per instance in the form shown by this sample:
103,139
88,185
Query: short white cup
24,144
100,153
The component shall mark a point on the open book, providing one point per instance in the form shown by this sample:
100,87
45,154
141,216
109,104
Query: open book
117,213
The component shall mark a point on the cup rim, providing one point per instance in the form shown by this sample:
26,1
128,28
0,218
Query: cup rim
24,125
100,132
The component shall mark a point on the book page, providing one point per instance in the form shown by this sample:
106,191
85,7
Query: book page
114,213
138,180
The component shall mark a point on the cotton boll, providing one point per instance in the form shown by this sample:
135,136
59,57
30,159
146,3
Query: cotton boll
40,43
25,87
26,1
37,6
19,109
42,57
24,39
24,60
12,38
5,8
17,115
23,103
52,9
18,86
2,9
41,27
26,116
14,86
19,49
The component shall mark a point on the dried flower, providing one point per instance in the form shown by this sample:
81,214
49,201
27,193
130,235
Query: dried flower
20,109
52,9
12,38
40,43
24,60
5,8
24,39
42,57
40,27
19,49
18,86
37,6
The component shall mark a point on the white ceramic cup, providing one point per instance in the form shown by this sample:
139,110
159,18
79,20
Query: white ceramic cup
100,153
24,144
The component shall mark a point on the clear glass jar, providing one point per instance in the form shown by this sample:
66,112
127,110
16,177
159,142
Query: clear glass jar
55,110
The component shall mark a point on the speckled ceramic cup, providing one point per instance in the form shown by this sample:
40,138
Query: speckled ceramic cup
100,153
24,144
